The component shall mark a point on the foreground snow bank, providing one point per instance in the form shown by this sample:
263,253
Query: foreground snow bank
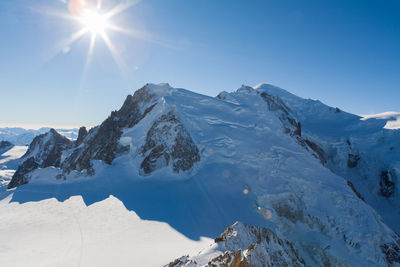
69,233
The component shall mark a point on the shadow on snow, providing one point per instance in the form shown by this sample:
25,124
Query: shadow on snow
203,205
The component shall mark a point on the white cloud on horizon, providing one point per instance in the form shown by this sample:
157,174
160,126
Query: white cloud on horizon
392,117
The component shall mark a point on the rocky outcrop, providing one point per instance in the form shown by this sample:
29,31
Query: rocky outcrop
391,250
293,126
241,245
350,184
44,151
102,142
223,95
82,133
5,144
168,141
20,176
275,103
386,183
352,161
318,152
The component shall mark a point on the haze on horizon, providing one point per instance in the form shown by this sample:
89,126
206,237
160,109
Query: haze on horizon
344,53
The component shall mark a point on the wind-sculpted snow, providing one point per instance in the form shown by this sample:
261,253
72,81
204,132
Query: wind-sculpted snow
257,155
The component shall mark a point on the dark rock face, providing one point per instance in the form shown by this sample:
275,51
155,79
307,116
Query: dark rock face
168,140
295,124
5,144
392,250
81,135
44,151
275,103
230,258
19,177
223,95
249,246
292,126
319,152
352,161
49,147
355,191
386,183
102,143
291,207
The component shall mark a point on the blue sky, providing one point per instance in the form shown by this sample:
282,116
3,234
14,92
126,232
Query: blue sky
344,53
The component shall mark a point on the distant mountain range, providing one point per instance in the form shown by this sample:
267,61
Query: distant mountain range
288,181
20,136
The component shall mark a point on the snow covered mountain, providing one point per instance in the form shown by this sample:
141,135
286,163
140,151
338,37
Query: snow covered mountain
23,137
318,186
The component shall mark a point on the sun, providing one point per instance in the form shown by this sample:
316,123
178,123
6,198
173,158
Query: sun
97,22
94,22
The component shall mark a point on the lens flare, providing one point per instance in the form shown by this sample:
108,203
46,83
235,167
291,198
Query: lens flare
267,214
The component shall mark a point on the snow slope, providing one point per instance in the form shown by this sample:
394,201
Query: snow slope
356,148
69,233
9,161
265,157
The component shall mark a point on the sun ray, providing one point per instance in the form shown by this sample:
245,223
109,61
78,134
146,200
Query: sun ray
89,55
118,60
74,37
140,35
51,12
121,7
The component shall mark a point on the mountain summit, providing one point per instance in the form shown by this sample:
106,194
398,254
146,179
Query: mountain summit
319,185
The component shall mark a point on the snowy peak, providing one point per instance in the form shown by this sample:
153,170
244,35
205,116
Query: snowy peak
161,89
81,135
44,151
102,142
275,91
246,89
243,245
46,148
167,139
